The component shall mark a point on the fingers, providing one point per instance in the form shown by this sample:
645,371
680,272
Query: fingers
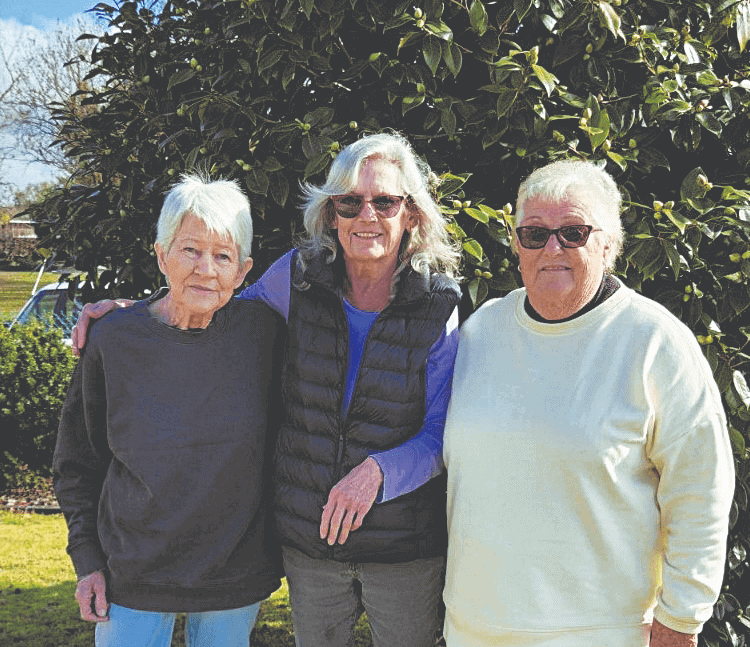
91,597
92,311
349,502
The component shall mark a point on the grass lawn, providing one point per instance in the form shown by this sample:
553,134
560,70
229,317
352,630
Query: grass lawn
37,583
15,290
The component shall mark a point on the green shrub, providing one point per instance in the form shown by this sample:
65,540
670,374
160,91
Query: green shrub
35,369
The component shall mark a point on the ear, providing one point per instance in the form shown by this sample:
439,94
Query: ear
413,220
161,258
242,272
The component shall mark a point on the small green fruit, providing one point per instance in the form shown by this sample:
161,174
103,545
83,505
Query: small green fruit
180,111
123,213
203,150
735,258
746,255
246,167
418,13
146,79
521,152
486,275
207,31
193,62
688,289
477,272
658,205
420,88
632,143
198,68
508,209
457,204
466,204
589,48
170,171
709,339
353,125
686,298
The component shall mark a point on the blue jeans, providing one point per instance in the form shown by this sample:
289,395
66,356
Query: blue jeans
327,597
132,628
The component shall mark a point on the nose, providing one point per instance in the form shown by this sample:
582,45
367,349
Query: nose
553,246
368,212
205,265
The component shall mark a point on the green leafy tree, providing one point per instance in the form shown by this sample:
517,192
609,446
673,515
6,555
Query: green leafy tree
269,91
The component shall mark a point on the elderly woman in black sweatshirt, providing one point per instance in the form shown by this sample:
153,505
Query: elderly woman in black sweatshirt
159,465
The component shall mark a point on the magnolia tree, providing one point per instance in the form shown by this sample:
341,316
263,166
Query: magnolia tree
268,92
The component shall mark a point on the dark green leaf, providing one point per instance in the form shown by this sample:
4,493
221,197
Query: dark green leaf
432,52
478,17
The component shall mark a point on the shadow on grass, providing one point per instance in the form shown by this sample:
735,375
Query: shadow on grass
48,617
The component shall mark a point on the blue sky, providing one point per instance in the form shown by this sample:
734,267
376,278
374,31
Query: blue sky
40,13
36,18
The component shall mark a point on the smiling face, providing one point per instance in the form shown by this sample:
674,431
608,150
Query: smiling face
203,270
370,241
559,281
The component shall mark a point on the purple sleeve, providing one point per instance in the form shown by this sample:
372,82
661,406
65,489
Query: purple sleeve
413,463
273,287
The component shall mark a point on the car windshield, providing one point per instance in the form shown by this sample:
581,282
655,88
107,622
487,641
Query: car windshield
52,305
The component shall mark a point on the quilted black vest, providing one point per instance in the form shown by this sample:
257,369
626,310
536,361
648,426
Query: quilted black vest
317,446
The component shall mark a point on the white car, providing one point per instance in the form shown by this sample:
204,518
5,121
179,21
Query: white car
51,303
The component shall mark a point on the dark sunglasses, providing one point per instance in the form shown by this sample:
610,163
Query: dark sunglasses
569,236
350,205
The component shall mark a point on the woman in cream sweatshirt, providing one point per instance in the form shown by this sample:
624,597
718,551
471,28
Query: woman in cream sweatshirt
590,474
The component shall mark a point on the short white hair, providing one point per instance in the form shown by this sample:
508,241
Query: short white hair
562,179
220,204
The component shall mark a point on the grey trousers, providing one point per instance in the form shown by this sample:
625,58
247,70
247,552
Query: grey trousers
327,597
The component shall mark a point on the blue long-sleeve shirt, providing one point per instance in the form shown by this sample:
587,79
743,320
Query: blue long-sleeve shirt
413,463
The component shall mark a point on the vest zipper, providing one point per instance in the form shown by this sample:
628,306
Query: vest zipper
337,475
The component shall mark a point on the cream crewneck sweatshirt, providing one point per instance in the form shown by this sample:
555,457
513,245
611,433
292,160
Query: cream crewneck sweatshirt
590,476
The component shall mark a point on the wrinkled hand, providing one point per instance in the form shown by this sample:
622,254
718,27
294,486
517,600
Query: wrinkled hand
91,596
349,501
662,636
92,311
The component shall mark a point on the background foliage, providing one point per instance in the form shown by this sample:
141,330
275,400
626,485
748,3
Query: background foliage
35,370
268,92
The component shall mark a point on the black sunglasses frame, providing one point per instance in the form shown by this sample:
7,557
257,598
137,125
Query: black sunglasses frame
397,199
558,234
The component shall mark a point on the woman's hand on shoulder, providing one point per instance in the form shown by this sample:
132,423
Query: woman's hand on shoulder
92,598
93,311
662,636
349,501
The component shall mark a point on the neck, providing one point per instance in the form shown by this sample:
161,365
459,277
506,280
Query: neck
369,287
166,311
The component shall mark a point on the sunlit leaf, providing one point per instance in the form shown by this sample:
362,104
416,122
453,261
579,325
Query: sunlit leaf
743,23
471,246
478,214
547,79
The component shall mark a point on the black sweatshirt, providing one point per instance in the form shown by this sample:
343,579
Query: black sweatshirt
160,465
